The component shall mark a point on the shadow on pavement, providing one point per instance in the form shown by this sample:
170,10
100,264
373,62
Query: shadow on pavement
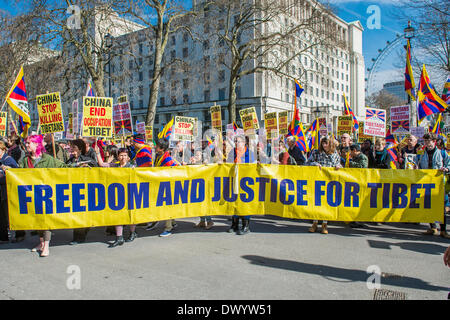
331,272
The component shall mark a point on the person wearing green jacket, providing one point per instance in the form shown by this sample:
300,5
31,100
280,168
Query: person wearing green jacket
37,158
358,159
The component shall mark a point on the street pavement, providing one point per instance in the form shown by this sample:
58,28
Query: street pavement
277,260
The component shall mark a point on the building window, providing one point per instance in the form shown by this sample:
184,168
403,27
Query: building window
185,99
141,90
173,40
185,52
185,37
207,95
222,94
173,54
207,78
141,104
173,100
141,76
185,83
221,75
162,101
206,45
238,91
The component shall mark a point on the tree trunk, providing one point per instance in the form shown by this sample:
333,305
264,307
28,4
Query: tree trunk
232,98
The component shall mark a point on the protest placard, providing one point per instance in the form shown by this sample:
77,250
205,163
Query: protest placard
122,119
148,134
249,119
271,125
323,129
183,128
97,117
375,122
140,127
361,136
400,120
3,123
50,113
344,125
283,123
216,117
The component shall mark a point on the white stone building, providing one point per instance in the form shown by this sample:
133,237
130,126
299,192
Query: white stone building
191,91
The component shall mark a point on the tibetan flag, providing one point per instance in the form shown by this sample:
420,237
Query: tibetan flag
390,138
17,100
298,91
446,92
437,126
373,114
295,120
235,126
166,131
165,160
349,111
315,136
90,90
392,155
300,137
409,77
210,143
428,102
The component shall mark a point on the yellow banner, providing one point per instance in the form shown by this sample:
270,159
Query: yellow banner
86,197
50,113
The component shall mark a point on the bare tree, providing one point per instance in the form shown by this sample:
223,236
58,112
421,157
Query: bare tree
163,19
83,30
431,43
268,36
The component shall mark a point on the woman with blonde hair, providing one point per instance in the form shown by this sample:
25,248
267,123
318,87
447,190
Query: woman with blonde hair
326,156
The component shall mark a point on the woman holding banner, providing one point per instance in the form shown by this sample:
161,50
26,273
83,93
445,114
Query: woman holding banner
6,162
37,158
123,162
241,154
326,156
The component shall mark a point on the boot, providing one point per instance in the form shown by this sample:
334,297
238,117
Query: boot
119,241
324,228
132,236
201,224
313,227
245,229
234,224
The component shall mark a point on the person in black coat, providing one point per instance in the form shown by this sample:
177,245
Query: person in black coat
5,160
295,152
381,158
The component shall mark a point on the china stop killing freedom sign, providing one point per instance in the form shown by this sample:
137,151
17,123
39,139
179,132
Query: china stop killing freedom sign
42,199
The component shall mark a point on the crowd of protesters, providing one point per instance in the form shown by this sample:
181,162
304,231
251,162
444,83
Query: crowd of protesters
37,151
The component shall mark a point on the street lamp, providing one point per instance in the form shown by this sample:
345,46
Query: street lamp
409,33
108,44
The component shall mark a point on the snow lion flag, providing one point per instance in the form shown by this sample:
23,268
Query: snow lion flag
17,99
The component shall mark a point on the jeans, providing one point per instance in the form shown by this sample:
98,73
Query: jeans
205,218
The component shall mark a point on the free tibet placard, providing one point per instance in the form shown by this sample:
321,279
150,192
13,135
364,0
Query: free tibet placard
50,113
97,117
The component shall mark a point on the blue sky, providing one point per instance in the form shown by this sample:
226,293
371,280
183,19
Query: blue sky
374,38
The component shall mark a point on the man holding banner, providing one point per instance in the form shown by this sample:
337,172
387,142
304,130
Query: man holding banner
433,158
